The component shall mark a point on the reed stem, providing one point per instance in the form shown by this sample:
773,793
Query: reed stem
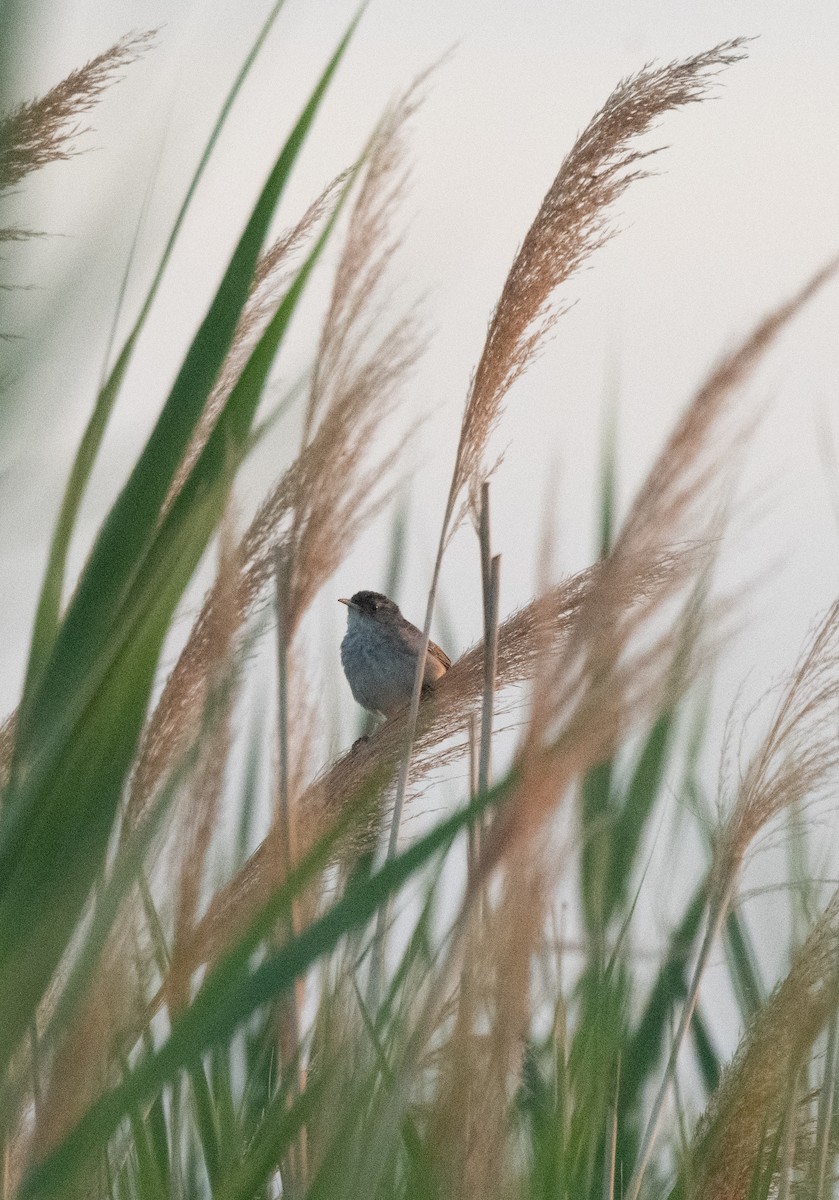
290,1009
716,916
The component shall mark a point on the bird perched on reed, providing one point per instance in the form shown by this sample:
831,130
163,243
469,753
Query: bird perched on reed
379,654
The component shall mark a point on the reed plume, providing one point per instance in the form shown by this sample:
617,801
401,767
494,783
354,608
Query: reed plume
795,760
46,129
749,1104
197,817
574,221
272,276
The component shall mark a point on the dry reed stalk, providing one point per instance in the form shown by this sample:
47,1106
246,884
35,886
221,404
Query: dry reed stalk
482,1061
794,763
324,500
675,507
82,1065
823,1153
289,1007
197,816
8,729
357,378
272,276
796,759
571,224
44,130
745,1111
787,1158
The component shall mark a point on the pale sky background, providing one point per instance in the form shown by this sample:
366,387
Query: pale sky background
743,210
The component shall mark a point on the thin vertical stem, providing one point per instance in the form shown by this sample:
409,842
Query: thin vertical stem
416,694
291,1007
716,915
485,542
490,668
281,582
827,1097
490,585
36,1069
473,841
611,1142
378,949
788,1149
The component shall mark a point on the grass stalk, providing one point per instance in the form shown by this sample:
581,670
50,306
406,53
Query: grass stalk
473,844
824,1122
788,1149
379,937
716,917
490,585
490,670
611,1142
290,1006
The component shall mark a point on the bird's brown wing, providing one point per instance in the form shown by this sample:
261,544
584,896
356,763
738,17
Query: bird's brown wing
439,654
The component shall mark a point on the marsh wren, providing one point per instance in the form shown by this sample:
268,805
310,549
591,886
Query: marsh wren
379,654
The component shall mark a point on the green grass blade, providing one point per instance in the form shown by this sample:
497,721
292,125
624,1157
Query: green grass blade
205,1118
279,1128
49,605
645,1047
109,901
598,816
641,795
743,968
710,1066
73,810
608,479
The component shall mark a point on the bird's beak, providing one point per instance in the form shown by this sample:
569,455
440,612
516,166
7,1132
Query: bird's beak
348,603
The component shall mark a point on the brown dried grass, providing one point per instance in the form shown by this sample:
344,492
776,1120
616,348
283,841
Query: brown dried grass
481,1064
572,223
198,815
618,665
796,759
46,129
271,279
744,1114
84,1061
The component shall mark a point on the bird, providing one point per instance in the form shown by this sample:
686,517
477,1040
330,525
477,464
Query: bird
379,654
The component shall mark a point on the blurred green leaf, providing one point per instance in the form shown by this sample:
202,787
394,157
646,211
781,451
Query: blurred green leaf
635,811
598,816
646,1045
743,967
706,1056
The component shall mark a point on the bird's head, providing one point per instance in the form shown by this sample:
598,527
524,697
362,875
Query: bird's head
370,605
